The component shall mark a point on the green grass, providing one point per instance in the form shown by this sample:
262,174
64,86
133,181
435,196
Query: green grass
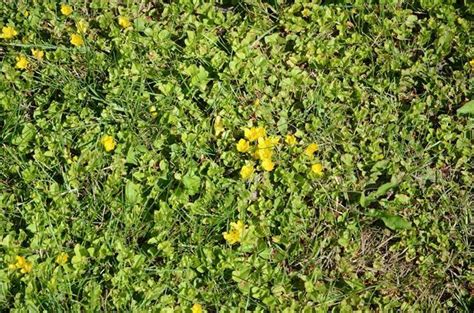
386,227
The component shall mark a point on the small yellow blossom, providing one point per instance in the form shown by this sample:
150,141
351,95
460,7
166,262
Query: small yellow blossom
218,126
267,143
472,62
265,146
317,169
290,139
256,102
197,308
22,264
254,133
108,142
268,165
306,12
235,233
62,258
66,9
124,22
26,13
246,171
311,149
77,40
243,146
8,32
21,62
153,111
263,154
37,54
26,268
82,26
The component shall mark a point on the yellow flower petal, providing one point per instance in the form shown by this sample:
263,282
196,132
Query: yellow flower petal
317,169
124,22
108,142
153,111
268,165
82,26
246,171
21,62
62,258
254,133
22,264
218,126
264,154
8,32
235,234
243,146
27,268
37,54
66,9
311,149
77,40
290,139
197,308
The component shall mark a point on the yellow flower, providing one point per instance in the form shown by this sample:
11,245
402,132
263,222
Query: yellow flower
267,143
66,9
263,154
153,111
472,62
256,102
268,165
82,26
243,146
218,126
124,22
254,133
306,12
62,258
197,308
108,142
317,169
311,149
246,171
8,32
21,62
235,233
20,261
37,54
77,40
265,146
22,264
26,268
290,139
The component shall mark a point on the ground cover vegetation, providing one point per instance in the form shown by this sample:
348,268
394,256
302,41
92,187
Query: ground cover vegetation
231,156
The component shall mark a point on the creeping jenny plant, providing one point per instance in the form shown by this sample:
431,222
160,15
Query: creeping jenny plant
234,156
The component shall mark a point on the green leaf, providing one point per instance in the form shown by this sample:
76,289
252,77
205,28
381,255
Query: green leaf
191,183
383,189
132,192
467,108
392,221
131,158
283,122
395,222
